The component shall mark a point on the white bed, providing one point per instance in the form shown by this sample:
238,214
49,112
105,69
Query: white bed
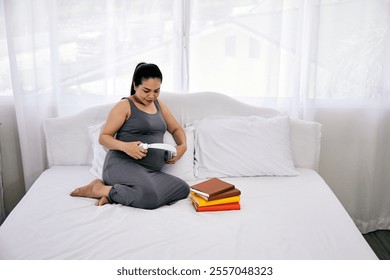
281,217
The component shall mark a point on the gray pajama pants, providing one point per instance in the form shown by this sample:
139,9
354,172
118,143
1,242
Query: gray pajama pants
135,185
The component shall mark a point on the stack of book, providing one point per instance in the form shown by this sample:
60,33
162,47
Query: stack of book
215,195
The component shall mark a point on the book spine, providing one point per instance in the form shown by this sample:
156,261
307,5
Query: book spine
199,192
221,207
202,202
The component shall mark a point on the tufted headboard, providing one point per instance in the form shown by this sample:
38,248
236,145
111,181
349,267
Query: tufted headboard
68,143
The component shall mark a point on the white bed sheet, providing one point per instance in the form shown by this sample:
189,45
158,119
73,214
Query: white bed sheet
281,218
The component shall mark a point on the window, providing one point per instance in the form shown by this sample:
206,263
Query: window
246,48
88,47
100,49
5,73
242,29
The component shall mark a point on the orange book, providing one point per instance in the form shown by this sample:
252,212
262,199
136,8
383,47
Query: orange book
211,187
201,202
219,207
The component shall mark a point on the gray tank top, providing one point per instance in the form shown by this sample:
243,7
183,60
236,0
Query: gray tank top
147,128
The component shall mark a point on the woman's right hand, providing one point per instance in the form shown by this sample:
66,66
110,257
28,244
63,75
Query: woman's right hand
134,150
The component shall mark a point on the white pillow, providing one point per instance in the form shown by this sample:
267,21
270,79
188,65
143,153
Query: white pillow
183,169
306,143
99,151
236,146
67,143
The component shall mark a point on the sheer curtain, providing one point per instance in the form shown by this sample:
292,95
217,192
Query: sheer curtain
2,207
351,91
325,61
322,60
68,55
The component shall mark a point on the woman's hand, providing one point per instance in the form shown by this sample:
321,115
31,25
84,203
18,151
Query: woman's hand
180,152
134,150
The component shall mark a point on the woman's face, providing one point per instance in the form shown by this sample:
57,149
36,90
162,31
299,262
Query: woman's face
148,90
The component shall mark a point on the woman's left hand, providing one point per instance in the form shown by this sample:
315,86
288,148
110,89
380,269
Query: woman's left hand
180,152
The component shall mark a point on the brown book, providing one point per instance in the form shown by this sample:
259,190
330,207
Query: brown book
230,193
211,187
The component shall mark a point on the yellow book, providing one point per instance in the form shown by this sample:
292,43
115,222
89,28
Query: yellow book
201,202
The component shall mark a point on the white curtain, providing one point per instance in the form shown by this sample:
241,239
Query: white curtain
327,61
68,55
352,94
319,60
2,207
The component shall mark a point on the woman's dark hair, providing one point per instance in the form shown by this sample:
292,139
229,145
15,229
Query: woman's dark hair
144,71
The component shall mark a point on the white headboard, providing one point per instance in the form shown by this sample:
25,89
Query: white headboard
194,106
68,143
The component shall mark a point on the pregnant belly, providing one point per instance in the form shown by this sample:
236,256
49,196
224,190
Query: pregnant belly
154,160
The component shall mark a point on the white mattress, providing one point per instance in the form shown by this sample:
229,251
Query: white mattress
281,218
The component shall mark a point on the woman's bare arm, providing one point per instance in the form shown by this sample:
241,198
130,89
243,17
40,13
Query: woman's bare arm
114,122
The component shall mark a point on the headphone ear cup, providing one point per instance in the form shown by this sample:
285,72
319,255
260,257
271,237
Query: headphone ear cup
168,155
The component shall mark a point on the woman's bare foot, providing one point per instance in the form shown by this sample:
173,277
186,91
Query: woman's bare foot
95,189
103,201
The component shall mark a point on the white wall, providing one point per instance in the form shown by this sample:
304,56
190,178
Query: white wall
12,169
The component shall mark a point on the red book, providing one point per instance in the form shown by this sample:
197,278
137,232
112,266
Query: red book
219,207
211,187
